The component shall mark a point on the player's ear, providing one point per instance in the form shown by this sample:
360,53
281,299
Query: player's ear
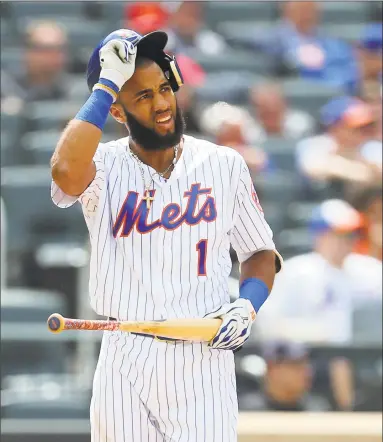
118,113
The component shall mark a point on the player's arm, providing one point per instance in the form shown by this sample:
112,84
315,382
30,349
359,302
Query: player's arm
251,237
72,163
260,265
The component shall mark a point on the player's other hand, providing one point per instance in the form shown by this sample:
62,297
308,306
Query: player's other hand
117,60
237,319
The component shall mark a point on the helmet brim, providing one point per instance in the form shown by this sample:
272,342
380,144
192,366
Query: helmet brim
152,44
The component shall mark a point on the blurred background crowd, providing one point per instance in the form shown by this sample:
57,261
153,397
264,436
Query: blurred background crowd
296,88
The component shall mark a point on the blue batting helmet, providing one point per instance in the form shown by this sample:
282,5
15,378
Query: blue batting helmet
151,46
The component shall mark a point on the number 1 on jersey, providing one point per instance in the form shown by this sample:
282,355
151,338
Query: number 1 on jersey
201,248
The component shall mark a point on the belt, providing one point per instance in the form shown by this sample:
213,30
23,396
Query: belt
157,338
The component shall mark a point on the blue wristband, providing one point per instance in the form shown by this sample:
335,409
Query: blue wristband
96,109
255,291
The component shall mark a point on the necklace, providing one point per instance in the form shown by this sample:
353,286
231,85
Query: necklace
147,195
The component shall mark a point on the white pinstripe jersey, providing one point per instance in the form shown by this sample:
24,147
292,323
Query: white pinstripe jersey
172,260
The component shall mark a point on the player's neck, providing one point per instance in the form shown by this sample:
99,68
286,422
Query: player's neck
158,160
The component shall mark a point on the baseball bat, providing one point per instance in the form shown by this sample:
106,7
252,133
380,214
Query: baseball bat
197,329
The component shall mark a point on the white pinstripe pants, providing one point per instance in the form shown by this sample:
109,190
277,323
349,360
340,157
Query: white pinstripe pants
150,391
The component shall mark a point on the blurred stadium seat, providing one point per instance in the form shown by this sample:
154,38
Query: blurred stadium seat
306,95
40,10
32,217
246,33
230,86
292,242
24,334
32,407
11,57
281,152
299,213
218,12
347,32
46,115
76,26
233,61
344,12
24,305
367,323
41,144
8,36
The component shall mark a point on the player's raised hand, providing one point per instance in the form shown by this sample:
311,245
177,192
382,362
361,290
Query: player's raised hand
117,60
237,319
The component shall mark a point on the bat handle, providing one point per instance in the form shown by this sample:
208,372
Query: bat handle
56,323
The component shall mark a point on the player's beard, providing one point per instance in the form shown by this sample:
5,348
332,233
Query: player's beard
149,139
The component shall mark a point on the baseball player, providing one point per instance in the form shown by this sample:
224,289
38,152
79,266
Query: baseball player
162,210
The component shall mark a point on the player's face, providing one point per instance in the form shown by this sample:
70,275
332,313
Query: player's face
150,109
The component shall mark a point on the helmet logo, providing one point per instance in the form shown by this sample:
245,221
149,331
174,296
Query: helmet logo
129,35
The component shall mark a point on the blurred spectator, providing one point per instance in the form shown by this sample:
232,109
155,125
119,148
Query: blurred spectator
369,204
41,76
314,296
188,33
297,45
273,117
286,383
370,58
339,155
145,17
228,125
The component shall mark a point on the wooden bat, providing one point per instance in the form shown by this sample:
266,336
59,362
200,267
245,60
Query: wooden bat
197,329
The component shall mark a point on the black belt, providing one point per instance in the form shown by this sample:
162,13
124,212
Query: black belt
158,338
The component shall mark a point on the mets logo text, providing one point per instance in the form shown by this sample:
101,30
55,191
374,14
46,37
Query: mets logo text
133,216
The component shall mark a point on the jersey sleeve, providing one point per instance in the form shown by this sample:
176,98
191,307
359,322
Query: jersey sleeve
90,198
250,232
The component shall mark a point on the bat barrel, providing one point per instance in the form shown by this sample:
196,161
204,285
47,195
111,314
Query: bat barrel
56,323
